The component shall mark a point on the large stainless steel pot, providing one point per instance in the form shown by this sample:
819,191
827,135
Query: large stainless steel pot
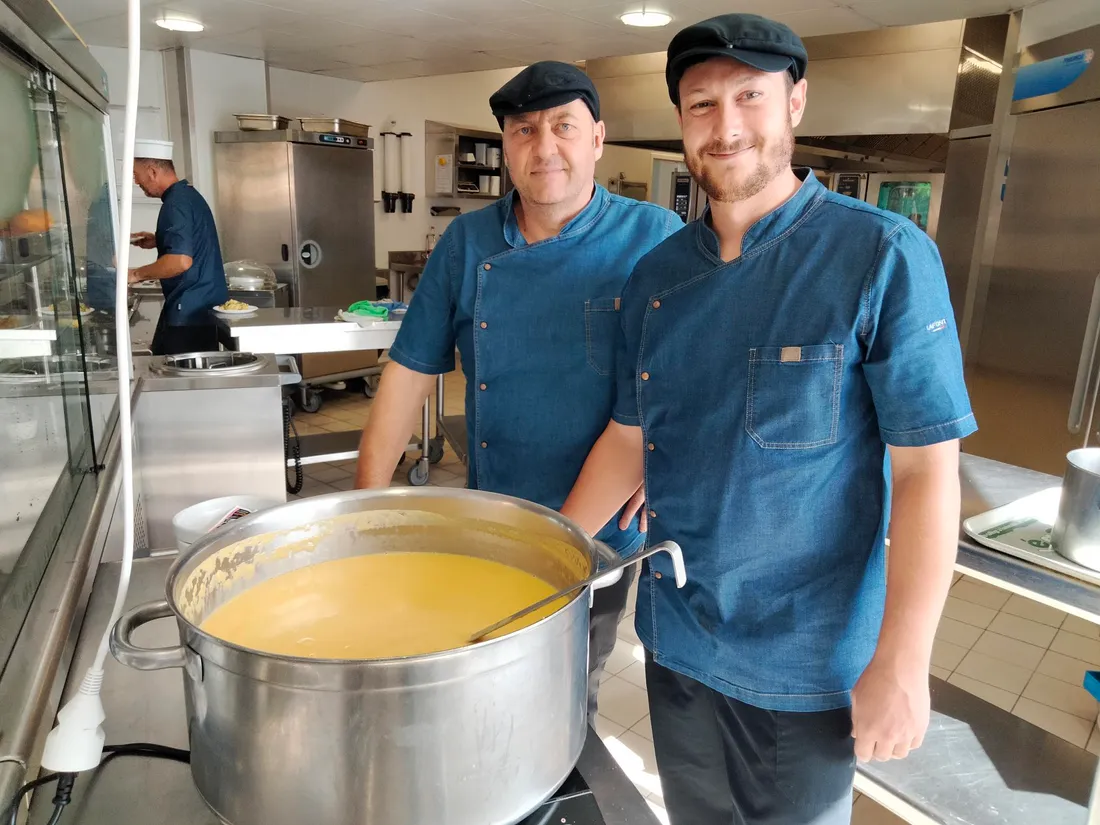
476,736
1076,533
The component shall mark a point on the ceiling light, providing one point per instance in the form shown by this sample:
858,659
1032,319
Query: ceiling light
179,24
646,19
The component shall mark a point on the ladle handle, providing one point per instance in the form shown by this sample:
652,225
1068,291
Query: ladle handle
608,575
144,658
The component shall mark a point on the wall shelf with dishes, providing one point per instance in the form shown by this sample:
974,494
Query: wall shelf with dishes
463,162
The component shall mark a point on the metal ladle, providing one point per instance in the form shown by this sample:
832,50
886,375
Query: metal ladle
612,573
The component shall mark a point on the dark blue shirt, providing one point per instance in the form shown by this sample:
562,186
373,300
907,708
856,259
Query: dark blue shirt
772,387
185,226
536,326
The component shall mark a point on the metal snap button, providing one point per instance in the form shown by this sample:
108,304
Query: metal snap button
645,376
484,325
656,575
484,386
656,304
651,446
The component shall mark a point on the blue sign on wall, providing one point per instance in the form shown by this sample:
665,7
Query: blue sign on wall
1050,76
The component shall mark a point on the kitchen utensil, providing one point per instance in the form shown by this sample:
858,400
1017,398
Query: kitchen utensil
261,123
249,274
478,735
664,547
1076,533
335,125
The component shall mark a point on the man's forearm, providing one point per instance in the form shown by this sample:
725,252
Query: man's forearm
924,533
166,266
401,395
611,474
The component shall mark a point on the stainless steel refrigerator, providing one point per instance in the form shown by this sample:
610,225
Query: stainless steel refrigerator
1032,360
302,203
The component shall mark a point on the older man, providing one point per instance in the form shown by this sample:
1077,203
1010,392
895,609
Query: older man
528,288
189,257
790,384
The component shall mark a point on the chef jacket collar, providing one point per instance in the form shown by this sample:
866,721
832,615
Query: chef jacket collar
584,219
770,226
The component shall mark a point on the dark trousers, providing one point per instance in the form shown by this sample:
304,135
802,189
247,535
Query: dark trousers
170,340
608,606
723,762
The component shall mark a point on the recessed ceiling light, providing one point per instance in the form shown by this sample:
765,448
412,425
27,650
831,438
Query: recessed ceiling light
646,18
179,24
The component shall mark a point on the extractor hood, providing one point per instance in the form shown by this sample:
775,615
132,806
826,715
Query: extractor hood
886,82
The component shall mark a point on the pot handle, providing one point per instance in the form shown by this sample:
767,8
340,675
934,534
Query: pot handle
144,658
615,569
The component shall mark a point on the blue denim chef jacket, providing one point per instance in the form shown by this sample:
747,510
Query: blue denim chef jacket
767,389
185,226
537,327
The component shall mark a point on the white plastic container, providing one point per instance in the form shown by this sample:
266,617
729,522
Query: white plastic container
195,521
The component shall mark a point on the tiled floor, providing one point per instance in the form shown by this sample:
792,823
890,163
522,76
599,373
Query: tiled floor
1019,655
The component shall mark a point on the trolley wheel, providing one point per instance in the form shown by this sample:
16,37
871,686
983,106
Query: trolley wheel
418,474
310,400
370,385
435,450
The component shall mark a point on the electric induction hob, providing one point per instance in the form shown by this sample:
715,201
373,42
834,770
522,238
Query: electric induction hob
572,804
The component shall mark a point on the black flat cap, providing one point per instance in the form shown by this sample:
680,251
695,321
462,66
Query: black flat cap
753,40
543,86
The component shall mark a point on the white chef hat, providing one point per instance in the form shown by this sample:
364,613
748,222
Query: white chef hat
153,149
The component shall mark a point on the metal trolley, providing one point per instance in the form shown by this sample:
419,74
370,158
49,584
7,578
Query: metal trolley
448,428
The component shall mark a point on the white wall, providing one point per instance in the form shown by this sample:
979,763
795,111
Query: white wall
152,123
462,99
221,86
633,164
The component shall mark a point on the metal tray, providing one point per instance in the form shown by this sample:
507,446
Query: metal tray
262,123
335,125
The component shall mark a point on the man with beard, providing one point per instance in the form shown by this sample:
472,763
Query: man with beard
789,374
528,289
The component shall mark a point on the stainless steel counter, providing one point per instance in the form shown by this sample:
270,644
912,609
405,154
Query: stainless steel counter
988,484
299,330
148,707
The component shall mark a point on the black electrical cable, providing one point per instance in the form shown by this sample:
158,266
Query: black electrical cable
292,449
65,781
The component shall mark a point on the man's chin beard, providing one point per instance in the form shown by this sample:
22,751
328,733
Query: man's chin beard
775,162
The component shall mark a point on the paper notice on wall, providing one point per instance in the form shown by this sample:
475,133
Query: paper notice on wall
444,169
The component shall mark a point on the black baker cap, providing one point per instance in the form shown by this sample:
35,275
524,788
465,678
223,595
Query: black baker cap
541,86
753,40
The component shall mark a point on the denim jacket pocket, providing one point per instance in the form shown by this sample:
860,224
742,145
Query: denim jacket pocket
793,398
601,326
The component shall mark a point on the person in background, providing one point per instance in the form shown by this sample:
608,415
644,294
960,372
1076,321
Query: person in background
790,383
189,257
528,288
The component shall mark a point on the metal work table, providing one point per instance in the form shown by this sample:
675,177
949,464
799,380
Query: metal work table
988,484
304,330
300,330
149,707
980,765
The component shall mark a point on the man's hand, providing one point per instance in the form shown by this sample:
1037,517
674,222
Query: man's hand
134,277
636,503
144,240
890,710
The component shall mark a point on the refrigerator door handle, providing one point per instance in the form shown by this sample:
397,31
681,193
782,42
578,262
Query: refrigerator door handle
1086,364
